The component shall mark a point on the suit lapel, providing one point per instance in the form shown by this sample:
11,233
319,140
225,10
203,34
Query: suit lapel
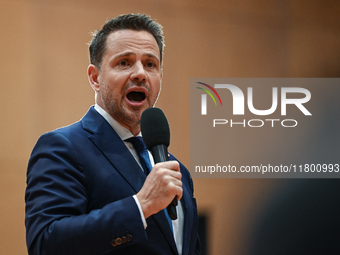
114,149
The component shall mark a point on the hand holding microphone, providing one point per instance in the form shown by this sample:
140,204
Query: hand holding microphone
163,186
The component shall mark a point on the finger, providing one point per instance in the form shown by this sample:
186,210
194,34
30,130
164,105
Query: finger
179,193
175,180
175,188
174,174
173,165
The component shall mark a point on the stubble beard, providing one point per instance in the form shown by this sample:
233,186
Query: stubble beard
127,116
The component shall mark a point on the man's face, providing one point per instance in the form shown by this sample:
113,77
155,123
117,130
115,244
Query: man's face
130,76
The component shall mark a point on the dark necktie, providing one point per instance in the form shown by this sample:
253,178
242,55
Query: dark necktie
142,152
144,159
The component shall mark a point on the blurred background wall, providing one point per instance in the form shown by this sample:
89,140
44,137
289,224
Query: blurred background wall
44,84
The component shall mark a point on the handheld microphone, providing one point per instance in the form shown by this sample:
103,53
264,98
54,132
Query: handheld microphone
156,135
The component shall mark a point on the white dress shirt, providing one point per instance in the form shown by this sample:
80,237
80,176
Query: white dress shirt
124,134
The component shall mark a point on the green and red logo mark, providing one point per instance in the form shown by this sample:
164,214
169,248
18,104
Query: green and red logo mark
204,97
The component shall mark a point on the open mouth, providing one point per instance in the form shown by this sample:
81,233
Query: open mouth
136,96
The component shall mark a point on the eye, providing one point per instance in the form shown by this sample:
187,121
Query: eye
150,64
123,63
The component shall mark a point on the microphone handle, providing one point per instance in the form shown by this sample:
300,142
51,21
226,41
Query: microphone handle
160,154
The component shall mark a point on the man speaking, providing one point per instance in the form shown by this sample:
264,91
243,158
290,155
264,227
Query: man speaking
89,188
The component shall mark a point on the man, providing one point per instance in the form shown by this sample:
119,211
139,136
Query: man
86,190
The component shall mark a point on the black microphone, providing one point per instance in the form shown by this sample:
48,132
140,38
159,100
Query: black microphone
156,135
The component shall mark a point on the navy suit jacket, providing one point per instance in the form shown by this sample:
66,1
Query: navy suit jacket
80,183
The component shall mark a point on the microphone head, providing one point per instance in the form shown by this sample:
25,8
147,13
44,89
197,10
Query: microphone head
155,128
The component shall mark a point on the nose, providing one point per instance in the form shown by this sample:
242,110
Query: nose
138,73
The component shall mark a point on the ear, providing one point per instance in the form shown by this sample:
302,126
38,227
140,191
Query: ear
93,76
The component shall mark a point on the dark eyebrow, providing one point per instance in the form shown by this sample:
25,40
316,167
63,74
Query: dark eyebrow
152,56
125,54
129,53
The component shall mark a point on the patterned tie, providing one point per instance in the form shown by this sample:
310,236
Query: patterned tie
144,159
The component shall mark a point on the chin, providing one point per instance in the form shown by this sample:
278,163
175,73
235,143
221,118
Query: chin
134,117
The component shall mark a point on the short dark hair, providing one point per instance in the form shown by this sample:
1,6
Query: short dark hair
138,22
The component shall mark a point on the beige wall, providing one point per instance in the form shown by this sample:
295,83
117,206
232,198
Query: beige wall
44,84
